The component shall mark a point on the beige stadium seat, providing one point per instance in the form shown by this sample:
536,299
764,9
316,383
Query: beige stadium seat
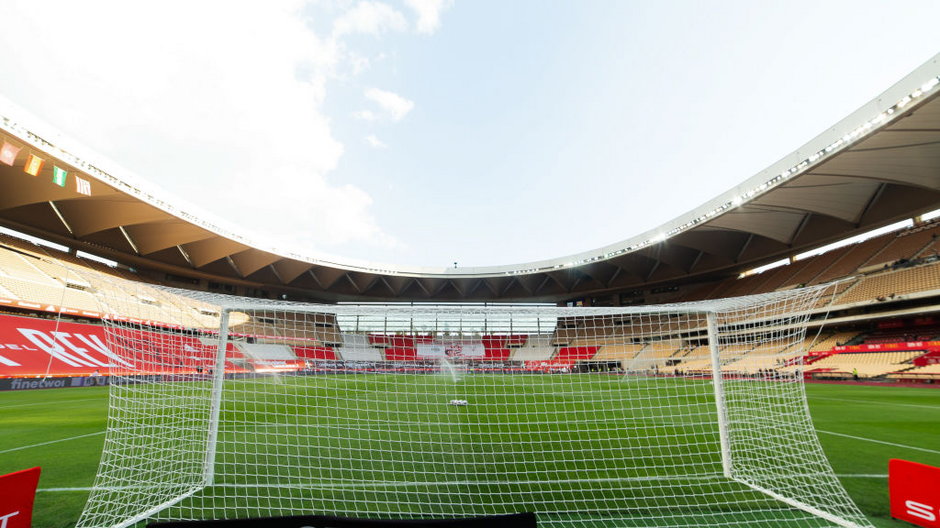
927,371
885,285
868,364
853,258
815,266
905,245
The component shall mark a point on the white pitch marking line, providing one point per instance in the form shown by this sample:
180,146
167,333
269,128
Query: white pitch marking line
880,442
934,407
45,403
50,442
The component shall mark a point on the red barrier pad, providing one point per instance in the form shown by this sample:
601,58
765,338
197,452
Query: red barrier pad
18,491
915,492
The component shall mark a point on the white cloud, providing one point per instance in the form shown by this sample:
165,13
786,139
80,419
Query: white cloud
396,106
375,142
216,115
370,18
358,63
429,13
365,115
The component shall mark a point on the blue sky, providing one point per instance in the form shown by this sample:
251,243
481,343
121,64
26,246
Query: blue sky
425,132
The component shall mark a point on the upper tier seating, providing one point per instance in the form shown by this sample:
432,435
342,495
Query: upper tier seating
907,244
41,275
888,285
902,334
814,266
854,258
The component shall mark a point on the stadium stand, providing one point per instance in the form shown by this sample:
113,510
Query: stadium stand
308,352
928,373
908,244
925,332
35,347
754,363
851,260
867,365
886,268
893,283
825,343
536,348
33,273
571,354
887,281
623,353
812,267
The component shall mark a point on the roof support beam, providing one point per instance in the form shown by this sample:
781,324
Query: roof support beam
744,246
614,276
799,228
872,202
543,283
129,239
695,261
649,275
61,218
274,271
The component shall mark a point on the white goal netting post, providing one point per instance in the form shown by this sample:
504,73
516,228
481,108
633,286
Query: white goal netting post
239,408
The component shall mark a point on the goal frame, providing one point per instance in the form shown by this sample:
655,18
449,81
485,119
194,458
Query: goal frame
218,380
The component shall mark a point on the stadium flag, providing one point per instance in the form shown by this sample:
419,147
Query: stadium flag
18,491
59,175
8,153
33,165
82,186
915,492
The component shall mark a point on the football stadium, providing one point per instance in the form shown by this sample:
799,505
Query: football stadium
757,361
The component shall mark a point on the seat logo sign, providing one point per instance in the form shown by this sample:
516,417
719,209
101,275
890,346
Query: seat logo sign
920,510
3,518
915,492
17,491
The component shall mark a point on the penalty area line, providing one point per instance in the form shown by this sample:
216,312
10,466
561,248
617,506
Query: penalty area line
892,444
50,402
889,404
40,444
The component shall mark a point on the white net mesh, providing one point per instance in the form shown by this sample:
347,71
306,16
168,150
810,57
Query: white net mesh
586,416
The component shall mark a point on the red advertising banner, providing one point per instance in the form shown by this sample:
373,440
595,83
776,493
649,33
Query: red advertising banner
38,348
18,490
915,492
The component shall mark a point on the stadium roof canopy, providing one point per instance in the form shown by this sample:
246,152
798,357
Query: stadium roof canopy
877,166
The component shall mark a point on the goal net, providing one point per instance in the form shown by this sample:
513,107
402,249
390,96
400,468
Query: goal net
676,415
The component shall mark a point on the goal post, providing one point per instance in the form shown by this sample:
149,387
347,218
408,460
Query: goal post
687,414
721,410
218,378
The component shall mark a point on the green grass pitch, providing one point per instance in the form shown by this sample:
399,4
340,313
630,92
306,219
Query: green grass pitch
860,428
